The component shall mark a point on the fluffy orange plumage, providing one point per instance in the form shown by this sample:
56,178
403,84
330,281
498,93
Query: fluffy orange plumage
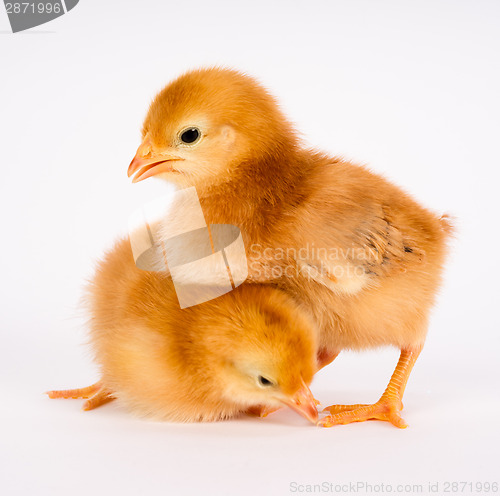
361,254
248,351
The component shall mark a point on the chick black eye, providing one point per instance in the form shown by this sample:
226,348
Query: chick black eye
190,135
264,381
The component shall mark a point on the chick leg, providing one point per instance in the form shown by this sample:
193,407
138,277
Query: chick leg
325,357
261,410
387,407
96,395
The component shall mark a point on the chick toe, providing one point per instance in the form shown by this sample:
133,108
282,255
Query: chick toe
100,398
78,393
334,409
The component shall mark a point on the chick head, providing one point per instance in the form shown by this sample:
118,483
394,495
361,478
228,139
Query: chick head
206,123
264,350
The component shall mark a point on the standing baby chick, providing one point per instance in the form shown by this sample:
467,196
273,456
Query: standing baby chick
363,255
248,350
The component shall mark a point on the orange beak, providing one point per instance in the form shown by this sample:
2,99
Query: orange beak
303,402
147,163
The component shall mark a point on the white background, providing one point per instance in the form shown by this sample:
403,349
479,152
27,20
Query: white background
411,88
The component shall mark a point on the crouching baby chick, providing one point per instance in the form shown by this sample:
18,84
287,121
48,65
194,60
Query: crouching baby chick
250,350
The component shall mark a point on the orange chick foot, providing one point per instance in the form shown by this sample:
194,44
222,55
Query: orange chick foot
386,409
96,395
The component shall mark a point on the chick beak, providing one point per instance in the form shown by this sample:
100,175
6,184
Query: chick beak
148,163
303,402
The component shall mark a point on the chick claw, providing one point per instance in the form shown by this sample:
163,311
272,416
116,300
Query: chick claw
386,409
96,395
